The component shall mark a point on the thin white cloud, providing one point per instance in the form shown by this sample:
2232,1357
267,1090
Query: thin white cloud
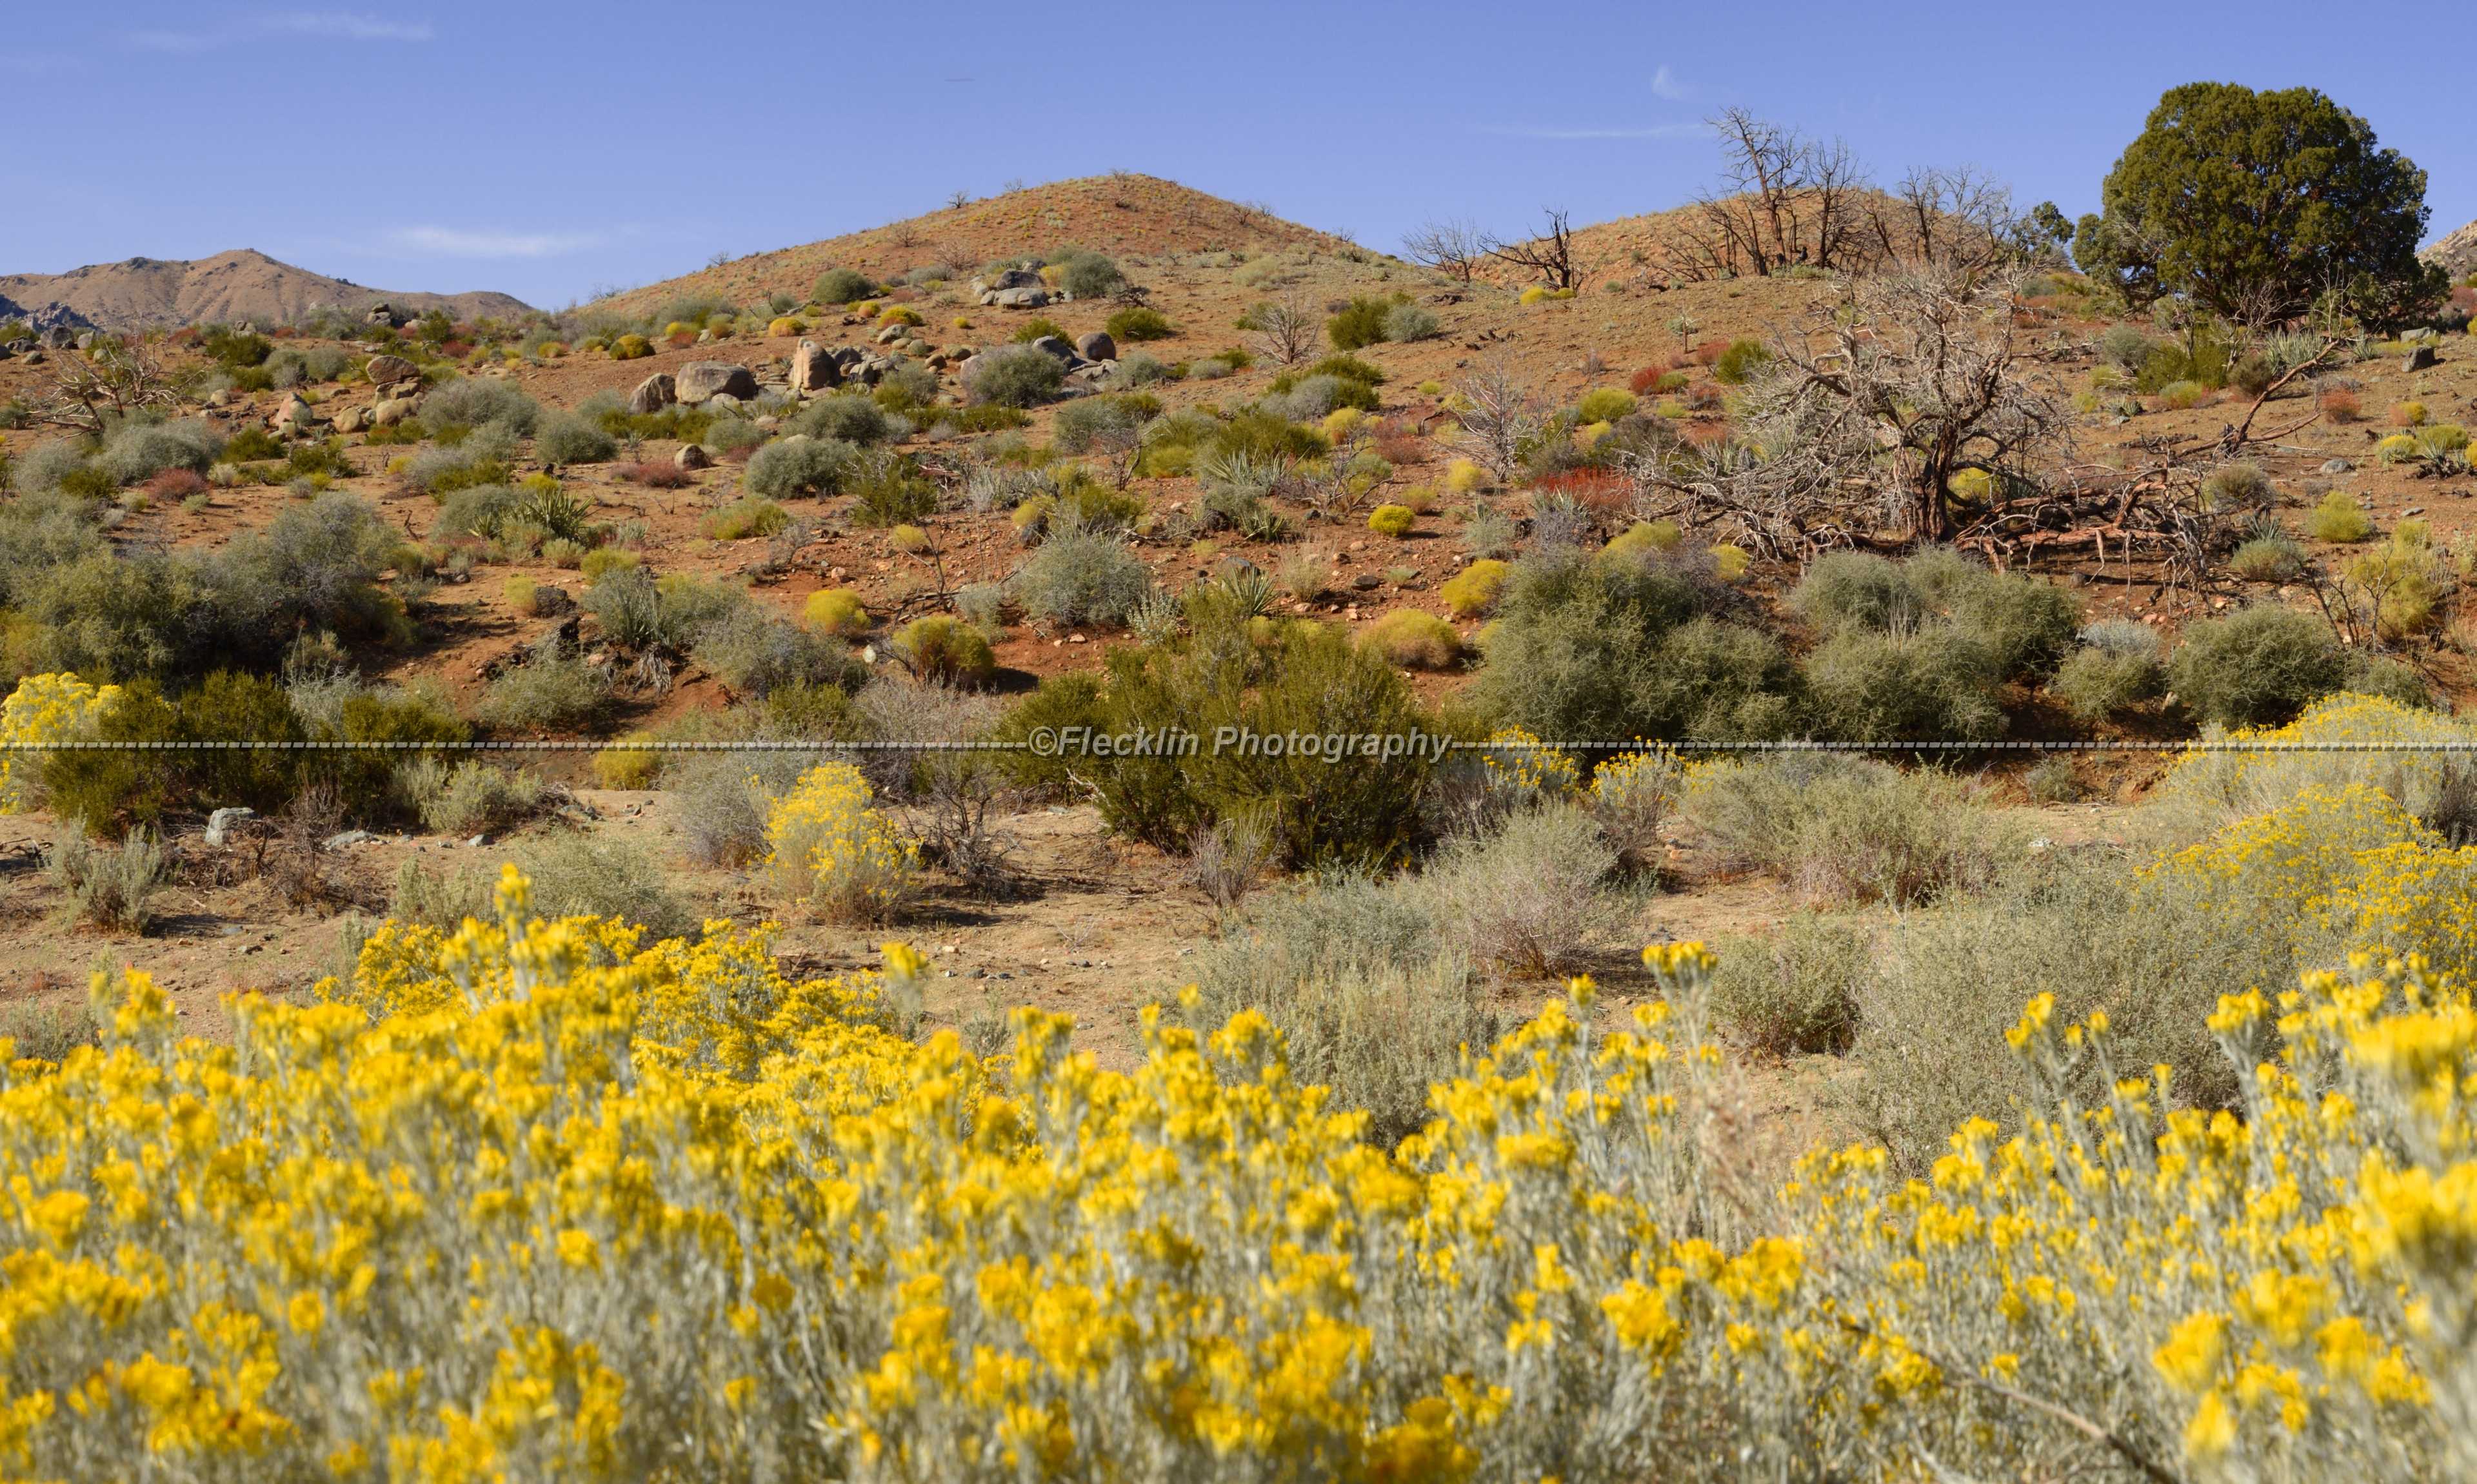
435,241
1561,131
1664,84
344,26
177,43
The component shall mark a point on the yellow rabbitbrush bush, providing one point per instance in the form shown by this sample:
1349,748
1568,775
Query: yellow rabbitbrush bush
831,849
525,1201
44,709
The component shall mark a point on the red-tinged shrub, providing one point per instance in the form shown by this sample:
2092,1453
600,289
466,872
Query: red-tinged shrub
1703,396
680,339
176,485
2341,407
1600,491
1710,352
1703,435
454,349
657,475
1641,382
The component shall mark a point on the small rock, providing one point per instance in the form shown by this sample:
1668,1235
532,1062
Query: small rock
220,823
2336,466
2419,358
387,370
478,841
345,837
1096,346
692,455
1051,345
1030,297
352,419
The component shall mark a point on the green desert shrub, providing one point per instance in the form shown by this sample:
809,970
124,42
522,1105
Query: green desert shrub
1137,324
945,649
1082,424
2258,666
1359,323
749,515
797,468
2338,519
1265,679
1086,274
1615,650
549,693
1794,989
2116,668
755,652
566,439
576,874
1932,683
847,417
469,796
842,286
476,402
1410,639
1739,361
2269,559
1078,576
1405,323
111,886
138,451
1015,376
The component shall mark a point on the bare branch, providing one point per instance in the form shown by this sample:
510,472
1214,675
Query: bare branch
1550,256
1455,248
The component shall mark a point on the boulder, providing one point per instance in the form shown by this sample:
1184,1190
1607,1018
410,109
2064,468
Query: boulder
220,823
1033,297
392,411
387,370
723,401
700,380
2419,358
892,334
2421,335
653,394
293,412
60,338
813,369
1052,345
385,313
549,600
1096,346
692,455
352,419
1005,279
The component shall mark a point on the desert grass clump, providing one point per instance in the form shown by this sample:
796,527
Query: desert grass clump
2258,666
2339,520
111,886
1524,900
829,847
1137,324
2272,557
471,798
1845,830
745,517
1410,639
1366,996
547,693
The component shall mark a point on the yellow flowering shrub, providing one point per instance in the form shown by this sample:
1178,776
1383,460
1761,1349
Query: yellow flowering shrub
41,710
522,1201
829,847
2412,754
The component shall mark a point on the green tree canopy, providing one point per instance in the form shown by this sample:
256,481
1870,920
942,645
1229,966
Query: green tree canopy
2256,203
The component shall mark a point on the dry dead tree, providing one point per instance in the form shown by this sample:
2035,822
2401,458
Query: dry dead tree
1550,255
97,387
1784,200
1863,419
1455,248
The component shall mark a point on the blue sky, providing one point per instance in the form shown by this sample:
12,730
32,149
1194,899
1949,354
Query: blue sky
550,149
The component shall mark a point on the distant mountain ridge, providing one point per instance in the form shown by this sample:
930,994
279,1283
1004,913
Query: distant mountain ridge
146,293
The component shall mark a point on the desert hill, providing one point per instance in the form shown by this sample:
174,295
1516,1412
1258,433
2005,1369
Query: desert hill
229,287
2455,251
1125,215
